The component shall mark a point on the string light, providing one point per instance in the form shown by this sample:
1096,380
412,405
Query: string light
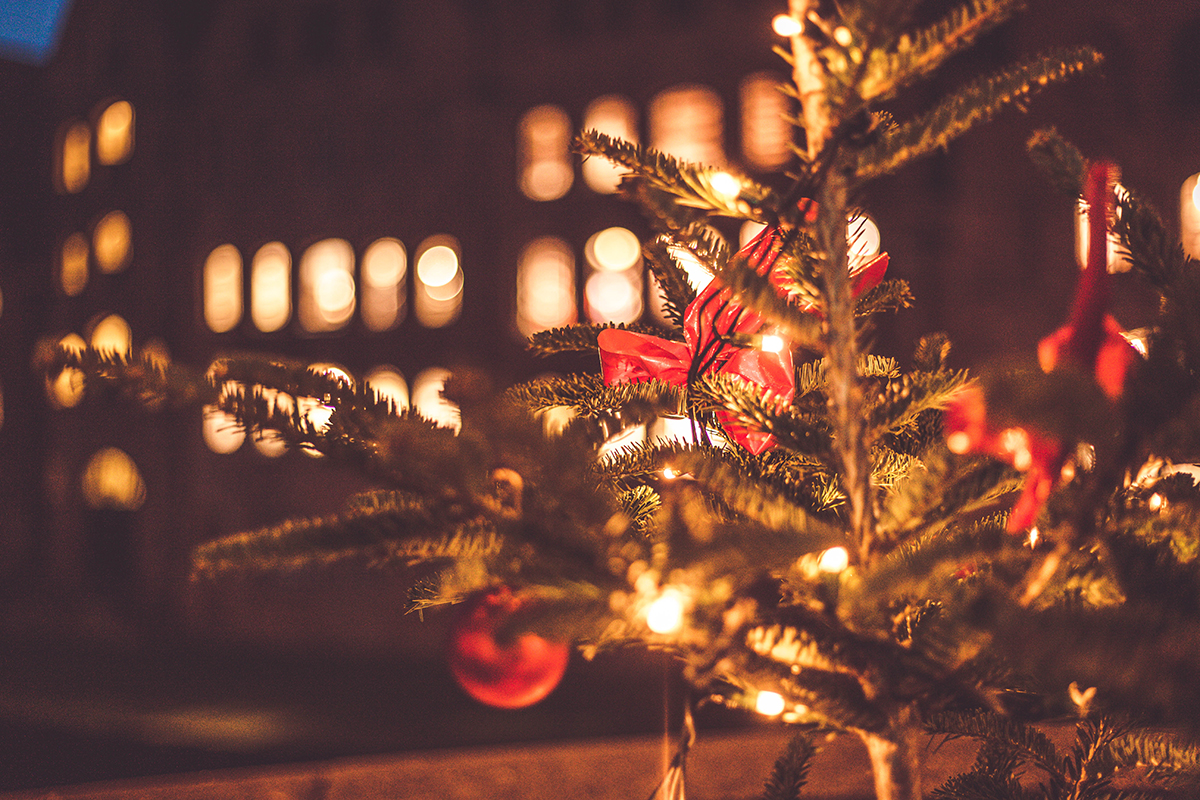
769,704
786,25
726,185
665,615
771,343
835,559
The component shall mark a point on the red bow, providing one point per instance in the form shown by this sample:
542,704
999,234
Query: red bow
709,321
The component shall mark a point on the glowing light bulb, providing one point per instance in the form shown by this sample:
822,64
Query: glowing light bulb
835,559
665,615
959,442
769,704
1034,536
772,343
1155,502
843,36
669,473
726,185
786,25
1196,195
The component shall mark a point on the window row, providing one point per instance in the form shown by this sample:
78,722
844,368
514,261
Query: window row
617,287
329,290
686,121
107,139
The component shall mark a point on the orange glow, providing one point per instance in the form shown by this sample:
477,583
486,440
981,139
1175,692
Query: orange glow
112,334
327,291
439,284
688,123
74,157
614,296
428,401
112,241
112,480
1118,261
545,286
66,389
384,266
389,383
221,431
613,250
615,116
1189,216
223,289
766,134
786,25
543,140
271,287
114,133
73,265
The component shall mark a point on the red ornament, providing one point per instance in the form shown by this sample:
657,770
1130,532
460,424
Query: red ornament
513,674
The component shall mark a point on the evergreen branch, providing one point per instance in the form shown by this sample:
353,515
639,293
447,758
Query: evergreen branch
970,106
898,403
143,377
757,293
801,433
991,727
640,504
791,769
579,338
979,786
918,54
588,394
672,280
1058,160
691,184
1162,755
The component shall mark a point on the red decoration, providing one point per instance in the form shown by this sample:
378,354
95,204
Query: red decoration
513,674
709,321
1092,338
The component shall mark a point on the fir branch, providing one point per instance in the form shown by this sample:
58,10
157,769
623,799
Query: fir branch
799,432
143,377
791,769
918,54
672,280
692,185
898,403
979,786
970,106
640,504
579,338
757,293
990,727
588,394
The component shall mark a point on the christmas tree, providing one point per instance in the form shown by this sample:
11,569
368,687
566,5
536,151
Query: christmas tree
894,551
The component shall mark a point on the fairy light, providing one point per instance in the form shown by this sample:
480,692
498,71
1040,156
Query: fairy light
669,473
771,343
769,704
786,25
843,36
1155,502
665,615
1034,536
959,442
835,559
726,185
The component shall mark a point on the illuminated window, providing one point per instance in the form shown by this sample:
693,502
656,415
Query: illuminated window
327,285
439,282
766,134
111,242
73,157
614,116
114,133
112,480
271,287
1117,261
614,288
428,401
384,267
545,171
223,289
65,390
73,264
222,433
271,443
545,286
1189,216
687,122
111,333
389,383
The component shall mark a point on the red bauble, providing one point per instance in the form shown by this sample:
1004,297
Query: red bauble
514,674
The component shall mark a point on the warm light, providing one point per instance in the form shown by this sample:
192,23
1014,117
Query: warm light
862,237
73,265
664,615
271,287
688,122
66,389
223,288
545,286
111,242
74,157
327,298
771,343
632,434
766,133
555,419
1034,536
428,401
544,135
959,442
222,433
384,266
112,480
614,296
769,704
1189,216
112,334
835,559
389,384
270,443
748,231
613,116
614,249
786,25
670,474
1155,502
114,133
439,284
726,185
1118,260
843,36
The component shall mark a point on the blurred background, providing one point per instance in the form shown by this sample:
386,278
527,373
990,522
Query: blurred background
384,186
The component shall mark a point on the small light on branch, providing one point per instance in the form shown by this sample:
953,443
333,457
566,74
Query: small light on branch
769,704
665,615
786,25
726,185
835,559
